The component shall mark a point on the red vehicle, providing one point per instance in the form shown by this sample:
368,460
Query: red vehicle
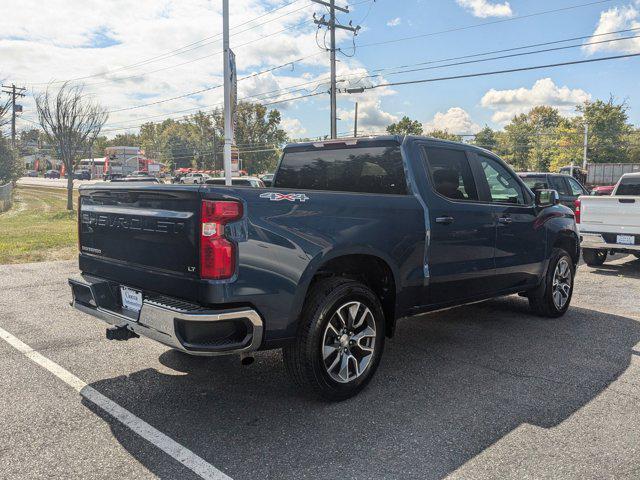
602,191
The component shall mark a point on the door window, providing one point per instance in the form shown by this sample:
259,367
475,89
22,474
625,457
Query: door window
503,186
451,173
576,188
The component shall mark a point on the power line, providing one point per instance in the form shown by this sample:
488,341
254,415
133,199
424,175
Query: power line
484,24
512,55
497,72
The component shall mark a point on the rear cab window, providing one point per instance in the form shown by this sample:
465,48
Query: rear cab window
629,186
360,169
535,182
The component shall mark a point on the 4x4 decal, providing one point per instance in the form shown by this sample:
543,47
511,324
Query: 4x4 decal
290,197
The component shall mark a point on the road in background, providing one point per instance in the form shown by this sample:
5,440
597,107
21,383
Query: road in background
53,182
482,391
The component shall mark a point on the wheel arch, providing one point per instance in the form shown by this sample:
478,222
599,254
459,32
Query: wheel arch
568,240
369,267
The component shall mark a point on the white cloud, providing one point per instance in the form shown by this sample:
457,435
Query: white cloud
293,127
372,117
485,8
72,38
507,103
455,120
613,20
394,22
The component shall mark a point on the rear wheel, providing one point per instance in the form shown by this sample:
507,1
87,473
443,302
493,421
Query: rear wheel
553,297
594,258
339,342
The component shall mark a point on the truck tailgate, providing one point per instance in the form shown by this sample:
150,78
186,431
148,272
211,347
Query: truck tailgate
153,227
610,214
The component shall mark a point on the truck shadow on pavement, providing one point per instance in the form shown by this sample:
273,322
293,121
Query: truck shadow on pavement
450,385
629,269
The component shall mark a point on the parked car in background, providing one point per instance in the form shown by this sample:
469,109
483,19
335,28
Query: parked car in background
81,175
192,178
567,187
31,173
52,174
602,191
238,181
611,224
352,236
267,179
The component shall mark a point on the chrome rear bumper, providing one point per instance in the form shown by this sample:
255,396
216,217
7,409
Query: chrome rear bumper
181,325
597,241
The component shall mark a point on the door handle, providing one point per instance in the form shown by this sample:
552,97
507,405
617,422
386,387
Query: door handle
445,220
505,220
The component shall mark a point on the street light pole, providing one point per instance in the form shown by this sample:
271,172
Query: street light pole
586,146
227,93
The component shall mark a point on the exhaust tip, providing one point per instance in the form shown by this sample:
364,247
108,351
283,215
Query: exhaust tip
246,360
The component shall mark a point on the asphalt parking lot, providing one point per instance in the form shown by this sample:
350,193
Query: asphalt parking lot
482,391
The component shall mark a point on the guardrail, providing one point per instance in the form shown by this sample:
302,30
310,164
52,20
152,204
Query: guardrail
5,197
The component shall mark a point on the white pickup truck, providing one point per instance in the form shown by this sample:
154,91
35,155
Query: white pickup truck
610,224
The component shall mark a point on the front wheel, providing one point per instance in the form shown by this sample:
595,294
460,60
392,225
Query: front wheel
594,258
340,340
553,296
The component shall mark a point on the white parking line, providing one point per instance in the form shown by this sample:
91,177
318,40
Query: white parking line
182,454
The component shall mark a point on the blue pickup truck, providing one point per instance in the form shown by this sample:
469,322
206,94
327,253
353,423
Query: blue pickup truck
354,235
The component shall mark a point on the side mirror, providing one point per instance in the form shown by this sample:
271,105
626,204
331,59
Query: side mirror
547,198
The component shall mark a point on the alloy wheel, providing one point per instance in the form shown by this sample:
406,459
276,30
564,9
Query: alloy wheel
562,282
349,341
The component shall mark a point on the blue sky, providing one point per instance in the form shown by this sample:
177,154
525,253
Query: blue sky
100,42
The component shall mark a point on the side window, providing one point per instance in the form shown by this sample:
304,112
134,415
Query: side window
558,183
576,188
451,173
503,186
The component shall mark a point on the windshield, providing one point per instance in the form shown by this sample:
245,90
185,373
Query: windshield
629,186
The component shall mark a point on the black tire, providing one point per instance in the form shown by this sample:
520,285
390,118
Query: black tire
541,300
594,258
304,360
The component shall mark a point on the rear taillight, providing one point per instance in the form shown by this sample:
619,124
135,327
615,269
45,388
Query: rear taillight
578,205
217,253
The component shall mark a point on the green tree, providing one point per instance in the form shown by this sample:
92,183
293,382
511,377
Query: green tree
543,121
124,140
568,144
258,136
444,135
10,166
405,126
486,138
608,130
515,142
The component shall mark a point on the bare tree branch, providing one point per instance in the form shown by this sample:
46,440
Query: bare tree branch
71,122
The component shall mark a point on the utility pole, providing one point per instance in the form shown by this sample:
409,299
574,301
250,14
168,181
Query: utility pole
586,146
355,122
332,25
14,92
228,140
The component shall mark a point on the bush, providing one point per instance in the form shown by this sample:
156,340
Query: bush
10,167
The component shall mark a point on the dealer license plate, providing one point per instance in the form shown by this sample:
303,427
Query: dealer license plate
626,240
131,299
